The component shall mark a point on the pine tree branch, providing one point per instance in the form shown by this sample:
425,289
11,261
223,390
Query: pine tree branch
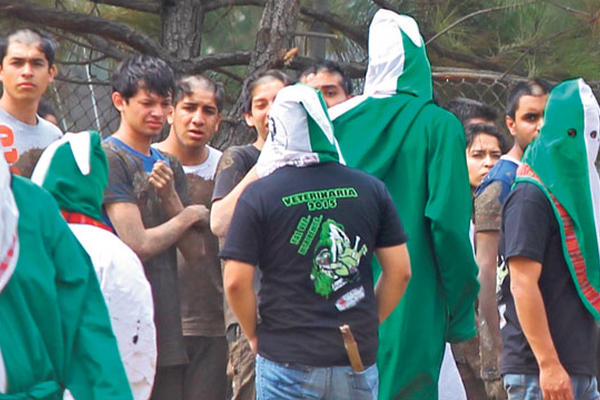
83,23
148,6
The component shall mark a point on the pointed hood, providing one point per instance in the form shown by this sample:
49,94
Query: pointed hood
9,218
397,57
300,132
398,85
74,170
561,162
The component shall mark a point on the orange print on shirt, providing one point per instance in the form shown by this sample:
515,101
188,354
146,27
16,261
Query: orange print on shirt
7,139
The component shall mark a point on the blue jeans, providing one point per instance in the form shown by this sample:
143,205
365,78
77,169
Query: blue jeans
527,387
275,381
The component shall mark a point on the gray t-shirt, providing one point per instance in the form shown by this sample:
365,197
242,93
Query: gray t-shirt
18,138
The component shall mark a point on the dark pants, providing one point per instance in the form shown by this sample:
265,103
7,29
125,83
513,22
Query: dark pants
205,377
168,383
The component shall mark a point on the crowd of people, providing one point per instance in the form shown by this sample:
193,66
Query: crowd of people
351,251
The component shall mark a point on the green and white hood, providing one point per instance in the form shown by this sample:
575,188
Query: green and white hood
561,162
300,131
64,170
9,219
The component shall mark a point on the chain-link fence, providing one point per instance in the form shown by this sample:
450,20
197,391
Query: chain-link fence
81,94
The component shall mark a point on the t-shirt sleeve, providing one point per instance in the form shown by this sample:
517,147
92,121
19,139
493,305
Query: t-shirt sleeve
120,180
244,238
391,232
528,218
488,208
230,172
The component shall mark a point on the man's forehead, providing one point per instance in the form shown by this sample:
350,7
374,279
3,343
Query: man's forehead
530,103
199,96
17,49
323,78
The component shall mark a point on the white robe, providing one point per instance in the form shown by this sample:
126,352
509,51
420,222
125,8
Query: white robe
129,300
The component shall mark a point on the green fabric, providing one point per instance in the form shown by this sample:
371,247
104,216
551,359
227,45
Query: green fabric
72,190
418,150
55,325
560,160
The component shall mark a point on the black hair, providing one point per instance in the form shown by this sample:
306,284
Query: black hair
258,78
185,87
45,108
532,87
46,44
331,67
143,72
474,130
466,109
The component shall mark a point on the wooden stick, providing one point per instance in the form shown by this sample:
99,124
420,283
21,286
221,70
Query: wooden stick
352,349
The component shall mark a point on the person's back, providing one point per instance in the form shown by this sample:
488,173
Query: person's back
395,132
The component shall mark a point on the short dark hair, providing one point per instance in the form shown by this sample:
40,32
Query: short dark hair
532,87
466,109
143,72
45,108
259,78
331,67
46,44
186,85
474,130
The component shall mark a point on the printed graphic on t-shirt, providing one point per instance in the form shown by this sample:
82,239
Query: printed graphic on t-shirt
336,260
501,274
7,140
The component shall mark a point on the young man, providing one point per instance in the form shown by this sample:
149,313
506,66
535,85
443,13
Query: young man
74,171
549,255
194,119
26,69
420,150
145,201
234,174
312,225
330,79
56,331
524,117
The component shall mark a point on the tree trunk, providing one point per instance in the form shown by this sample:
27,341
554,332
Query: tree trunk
182,22
274,38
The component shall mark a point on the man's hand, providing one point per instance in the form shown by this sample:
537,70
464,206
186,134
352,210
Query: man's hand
555,383
161,178
253,344
199,214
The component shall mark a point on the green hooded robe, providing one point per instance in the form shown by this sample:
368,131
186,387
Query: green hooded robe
395,132
55,329
560,161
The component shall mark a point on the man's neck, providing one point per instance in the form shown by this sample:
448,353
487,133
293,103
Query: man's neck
138,142
24,111
515,152
259,142
187,155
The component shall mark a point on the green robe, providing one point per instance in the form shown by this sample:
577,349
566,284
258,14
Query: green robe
56,331
418,150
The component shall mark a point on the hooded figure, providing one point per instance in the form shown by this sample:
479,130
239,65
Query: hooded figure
312,225
395,132
56,331
75,171
561,163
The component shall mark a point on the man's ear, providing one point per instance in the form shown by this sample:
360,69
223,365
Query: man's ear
52,71
171,115
511,125
118,101
218,125
249,120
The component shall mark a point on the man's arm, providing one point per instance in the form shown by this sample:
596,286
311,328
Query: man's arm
524,276
395,274
146,243
191,243
222,210
487,255
237,282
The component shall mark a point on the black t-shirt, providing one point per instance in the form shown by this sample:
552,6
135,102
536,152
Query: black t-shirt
530,229
312,232
235,163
